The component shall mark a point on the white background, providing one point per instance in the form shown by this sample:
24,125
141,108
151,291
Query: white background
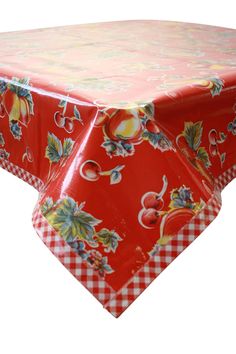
190,308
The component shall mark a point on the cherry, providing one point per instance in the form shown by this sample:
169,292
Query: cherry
68,125
148,218
212,136
152,126
90,170
28,155
213,149
152,200
59,119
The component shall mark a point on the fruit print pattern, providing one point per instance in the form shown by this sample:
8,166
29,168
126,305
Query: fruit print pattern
65,122
17,104
181,209
77,228
189,142
57,153
125,128
214,85
165,103
232,127
92,171
215,139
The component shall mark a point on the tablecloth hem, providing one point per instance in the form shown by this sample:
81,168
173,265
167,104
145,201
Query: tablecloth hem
117,302
26,176
156,264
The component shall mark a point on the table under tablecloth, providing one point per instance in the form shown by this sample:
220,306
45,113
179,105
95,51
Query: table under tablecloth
128,131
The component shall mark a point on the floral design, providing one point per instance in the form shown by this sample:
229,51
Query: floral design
4,154
232,127
57,152
214,84
125,128
17,104
77,228
189,142
66,122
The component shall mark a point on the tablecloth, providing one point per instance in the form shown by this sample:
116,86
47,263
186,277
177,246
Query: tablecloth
128,131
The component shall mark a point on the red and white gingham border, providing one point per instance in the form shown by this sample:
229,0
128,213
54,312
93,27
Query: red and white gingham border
73,262
117,302
156,264
22,174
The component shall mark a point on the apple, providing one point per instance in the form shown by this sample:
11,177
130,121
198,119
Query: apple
59,119
90,170
174,220
124,125
24,111
12,105
149,218
204,84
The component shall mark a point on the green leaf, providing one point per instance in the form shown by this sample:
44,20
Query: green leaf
193,134
62,103
74,223
218,85
116,176
47,205
203,156
76,113
109,239
223,157
148,109
3,86
54,149
67,147
223,137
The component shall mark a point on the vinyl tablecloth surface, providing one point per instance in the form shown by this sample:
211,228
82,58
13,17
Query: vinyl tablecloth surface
128,132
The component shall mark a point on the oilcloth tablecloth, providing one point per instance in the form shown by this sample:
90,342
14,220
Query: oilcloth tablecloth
128,132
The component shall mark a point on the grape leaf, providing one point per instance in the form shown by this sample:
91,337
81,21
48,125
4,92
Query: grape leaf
67,147
54,149
109,239
74,223
203,156
193,134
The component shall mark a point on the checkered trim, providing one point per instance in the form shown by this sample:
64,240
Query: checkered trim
117,302
22,174
165,256
226,178
73,262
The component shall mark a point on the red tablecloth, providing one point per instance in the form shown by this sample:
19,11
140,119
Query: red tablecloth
128,131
